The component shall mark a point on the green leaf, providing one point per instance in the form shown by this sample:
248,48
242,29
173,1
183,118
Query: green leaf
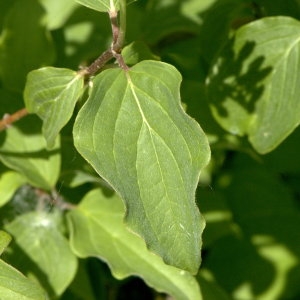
14,285
52,93
103,5
254,83
136,52
25,44
97,229
22,149
58,12
135,134
9,182
37,234
5,239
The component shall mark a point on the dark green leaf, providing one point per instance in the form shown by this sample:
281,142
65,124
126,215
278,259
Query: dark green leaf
25,44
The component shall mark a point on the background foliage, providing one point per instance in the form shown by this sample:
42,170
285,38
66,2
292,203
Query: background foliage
239,62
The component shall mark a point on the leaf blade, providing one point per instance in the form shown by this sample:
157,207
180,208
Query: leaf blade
115,139
99,218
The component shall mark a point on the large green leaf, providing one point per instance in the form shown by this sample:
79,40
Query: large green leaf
23,149
25,44
14,285
254,85
38,235
97,229
136,135
52,93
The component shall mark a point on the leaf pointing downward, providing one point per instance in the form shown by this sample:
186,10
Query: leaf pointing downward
135,134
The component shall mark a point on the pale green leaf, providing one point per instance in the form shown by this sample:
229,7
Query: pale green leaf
9,182
5,239
136,135
15,286
97,229
58,12
52,93
23,149
103,5
38,235
25,43
254,85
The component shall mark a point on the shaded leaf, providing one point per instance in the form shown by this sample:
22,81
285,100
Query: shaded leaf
97,229
52,93
254,83
37,234
136,135
25,44
14,285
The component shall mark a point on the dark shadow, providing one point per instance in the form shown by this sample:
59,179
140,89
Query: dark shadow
231,80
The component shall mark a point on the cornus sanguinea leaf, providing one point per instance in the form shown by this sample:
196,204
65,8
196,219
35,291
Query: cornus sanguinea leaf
254,85
99,218
135,134
52,93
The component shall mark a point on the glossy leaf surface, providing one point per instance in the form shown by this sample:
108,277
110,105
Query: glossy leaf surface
97,229
255,83
52,93
136,135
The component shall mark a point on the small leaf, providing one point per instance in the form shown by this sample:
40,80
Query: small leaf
25,44
5,239
38,236
23,150
52,93
14,285
254,85
9,182
136,135
97,229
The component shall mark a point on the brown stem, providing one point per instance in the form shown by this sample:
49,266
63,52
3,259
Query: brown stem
9,119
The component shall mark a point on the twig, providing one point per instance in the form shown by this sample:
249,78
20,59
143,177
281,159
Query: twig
9,119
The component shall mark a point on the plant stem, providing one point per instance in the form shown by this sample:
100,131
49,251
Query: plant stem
9,119
118,36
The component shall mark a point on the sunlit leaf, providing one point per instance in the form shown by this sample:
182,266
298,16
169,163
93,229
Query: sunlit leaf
97,229
14,285
103,5
52,93
23,149
136,135
38,235
254,84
